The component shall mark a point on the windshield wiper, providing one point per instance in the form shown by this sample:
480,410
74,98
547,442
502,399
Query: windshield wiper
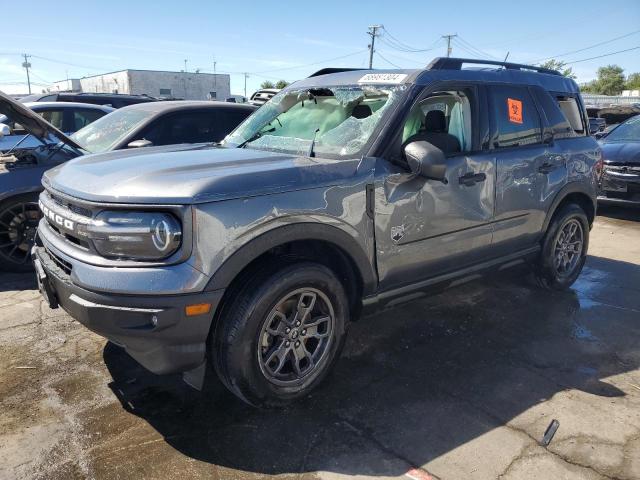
313,144
255,137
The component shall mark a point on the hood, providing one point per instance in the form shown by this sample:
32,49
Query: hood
32,122
192,176
621,153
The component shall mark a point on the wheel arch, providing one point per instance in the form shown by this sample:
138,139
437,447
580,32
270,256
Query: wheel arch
325,244
573,193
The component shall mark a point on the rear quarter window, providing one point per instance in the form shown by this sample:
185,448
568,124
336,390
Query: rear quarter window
556,119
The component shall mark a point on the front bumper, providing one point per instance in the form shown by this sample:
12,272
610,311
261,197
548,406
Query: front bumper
619,187
154,330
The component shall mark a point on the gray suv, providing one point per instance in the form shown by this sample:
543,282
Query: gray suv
348,191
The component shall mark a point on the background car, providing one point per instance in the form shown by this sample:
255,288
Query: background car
195,125
162,123
260,97
68,117
620,182
115,100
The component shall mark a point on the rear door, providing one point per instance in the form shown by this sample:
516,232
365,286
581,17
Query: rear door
521,153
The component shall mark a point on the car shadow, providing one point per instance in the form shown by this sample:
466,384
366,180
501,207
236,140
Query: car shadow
630,213
413,383
17,281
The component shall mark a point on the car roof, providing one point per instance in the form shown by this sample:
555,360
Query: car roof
92,106
174,105
488,71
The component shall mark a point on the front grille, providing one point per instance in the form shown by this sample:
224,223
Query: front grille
77,209
62,264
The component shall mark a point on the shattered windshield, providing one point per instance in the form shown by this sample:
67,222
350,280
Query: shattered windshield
104,133
329,121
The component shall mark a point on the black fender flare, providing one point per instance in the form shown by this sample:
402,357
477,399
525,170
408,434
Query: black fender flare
21,191
233,265
568,189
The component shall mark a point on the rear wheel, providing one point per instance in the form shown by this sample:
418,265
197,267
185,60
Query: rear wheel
564,249
19,217
281,333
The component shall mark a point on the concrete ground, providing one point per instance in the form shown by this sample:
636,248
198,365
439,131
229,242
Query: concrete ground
459,386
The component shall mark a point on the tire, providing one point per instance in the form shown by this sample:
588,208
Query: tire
256,347
19,218
553,270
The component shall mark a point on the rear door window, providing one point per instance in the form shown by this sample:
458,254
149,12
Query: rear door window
515,117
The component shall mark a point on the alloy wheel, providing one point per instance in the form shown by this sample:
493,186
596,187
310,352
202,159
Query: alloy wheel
568,247
18,226
296,336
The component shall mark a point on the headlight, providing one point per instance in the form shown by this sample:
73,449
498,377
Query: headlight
135,235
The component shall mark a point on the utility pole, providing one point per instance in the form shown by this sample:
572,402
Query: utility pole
185,65
245,84
26,65
215,78
373,31
449,37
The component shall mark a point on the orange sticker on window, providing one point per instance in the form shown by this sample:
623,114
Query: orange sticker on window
515,110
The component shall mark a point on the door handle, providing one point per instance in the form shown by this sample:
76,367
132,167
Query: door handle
470,179
547,167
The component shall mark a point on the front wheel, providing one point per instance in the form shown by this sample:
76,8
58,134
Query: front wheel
19,217
281,333
564,249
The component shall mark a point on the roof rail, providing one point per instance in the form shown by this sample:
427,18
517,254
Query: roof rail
446,63
327,71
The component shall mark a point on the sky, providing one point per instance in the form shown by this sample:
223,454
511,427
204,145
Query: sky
289,40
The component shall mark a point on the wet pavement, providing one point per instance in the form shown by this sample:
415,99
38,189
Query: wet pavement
459,386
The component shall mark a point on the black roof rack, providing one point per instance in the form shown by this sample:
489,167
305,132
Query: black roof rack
327,71
446,63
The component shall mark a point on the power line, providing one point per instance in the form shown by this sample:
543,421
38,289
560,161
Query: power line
588,48
601,56
311,64
473,48
388,61
393,42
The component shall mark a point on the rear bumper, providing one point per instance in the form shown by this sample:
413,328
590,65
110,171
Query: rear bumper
154,330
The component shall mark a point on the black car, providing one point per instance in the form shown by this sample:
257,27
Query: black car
195,125
620,182
115,100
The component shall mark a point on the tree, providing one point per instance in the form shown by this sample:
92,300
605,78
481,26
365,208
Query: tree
560,66
633,81
267,84
281,84
610,81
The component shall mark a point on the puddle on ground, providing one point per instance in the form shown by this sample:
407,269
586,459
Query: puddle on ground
587,285
580,332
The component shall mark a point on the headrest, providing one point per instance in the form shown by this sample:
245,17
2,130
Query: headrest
361,111
435,121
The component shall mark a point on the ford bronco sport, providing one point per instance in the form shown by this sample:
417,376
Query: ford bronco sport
348,191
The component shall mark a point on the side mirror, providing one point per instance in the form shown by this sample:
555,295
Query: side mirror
600,135
140,143
426,160
5,131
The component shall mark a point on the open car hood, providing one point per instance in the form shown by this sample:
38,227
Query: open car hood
32,122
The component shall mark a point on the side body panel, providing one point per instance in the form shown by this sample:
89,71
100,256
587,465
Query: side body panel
426,227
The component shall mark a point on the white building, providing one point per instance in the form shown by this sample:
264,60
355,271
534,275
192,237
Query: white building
155,83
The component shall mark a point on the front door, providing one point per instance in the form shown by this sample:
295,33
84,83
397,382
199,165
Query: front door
424,227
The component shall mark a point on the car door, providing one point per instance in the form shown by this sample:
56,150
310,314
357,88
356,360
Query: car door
425,228
521,155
